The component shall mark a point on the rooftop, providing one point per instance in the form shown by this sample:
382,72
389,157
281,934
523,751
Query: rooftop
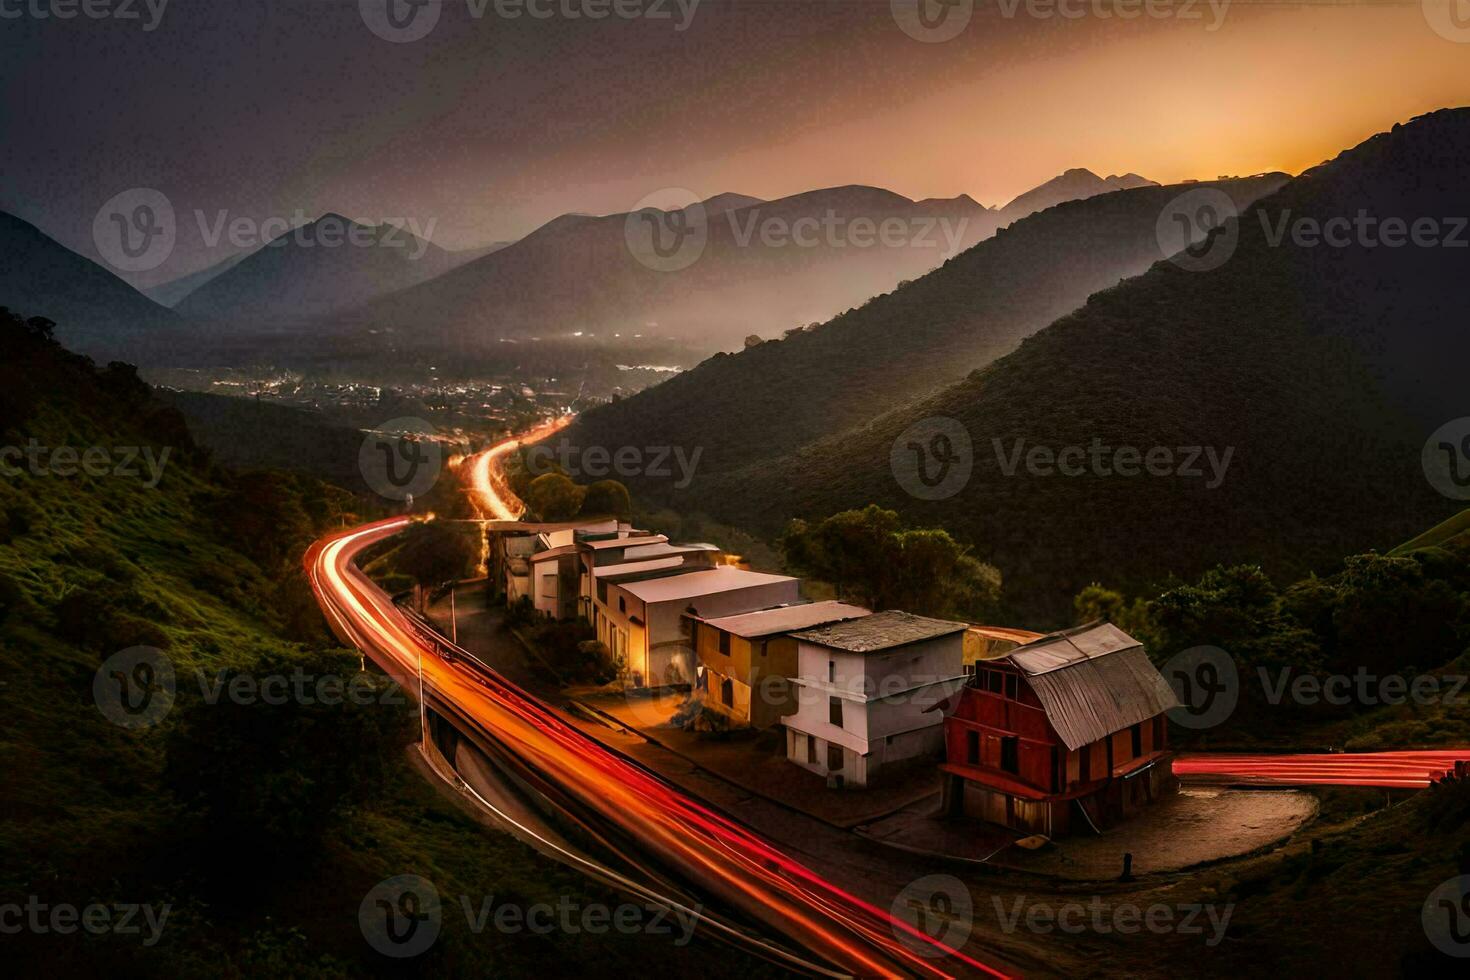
880,631
1092,681
635,540
784,619
690,585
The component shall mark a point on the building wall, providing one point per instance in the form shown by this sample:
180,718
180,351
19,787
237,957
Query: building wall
758,670
884,699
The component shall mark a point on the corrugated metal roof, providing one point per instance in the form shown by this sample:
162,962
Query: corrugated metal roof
1093,681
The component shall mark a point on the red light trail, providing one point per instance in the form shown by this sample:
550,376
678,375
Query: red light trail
1410,769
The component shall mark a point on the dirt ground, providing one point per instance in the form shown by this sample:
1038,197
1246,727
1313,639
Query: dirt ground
1196,826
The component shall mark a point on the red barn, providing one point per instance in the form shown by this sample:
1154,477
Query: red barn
1064,733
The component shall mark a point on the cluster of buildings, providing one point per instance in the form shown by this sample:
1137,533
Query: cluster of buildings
1043,734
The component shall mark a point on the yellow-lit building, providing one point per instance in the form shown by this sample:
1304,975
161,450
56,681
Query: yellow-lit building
746,661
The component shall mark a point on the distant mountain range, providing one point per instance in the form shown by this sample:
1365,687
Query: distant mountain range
1314,370
1073,185
92,307
761,267
771,399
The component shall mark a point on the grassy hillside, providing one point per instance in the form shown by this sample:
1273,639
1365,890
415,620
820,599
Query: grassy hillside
740,409
262,826
1320,369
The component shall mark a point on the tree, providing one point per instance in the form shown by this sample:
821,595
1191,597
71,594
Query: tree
608,497
554,497
1096,601
434,554
270,765
868,558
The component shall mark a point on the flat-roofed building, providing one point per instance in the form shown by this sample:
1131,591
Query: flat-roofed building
641,615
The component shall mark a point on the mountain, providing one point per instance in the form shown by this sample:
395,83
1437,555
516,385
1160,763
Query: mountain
95,311
1320,369
733,266
773,398
171,293
314,270
1073,185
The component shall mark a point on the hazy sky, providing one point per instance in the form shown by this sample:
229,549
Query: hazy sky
488,126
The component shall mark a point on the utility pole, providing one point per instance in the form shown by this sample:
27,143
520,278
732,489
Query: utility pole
453,618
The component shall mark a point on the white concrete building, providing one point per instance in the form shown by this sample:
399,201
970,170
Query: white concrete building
640,616
863,690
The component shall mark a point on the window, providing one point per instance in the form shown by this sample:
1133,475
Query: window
1084,764
724,642
1010,760
1011,685
727,693
762,647
834,758
831,672
993,681
622,604
1137,733
811,749
834,711
972,748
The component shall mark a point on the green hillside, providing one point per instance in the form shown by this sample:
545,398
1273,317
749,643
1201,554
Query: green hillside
773,398
1451,534
1321,370
261,826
